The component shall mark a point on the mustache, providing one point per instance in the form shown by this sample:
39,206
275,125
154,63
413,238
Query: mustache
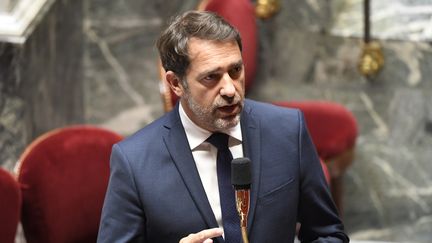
227,101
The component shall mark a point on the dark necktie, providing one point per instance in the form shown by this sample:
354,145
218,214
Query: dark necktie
230,219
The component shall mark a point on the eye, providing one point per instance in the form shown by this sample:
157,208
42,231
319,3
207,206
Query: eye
211,78
235,71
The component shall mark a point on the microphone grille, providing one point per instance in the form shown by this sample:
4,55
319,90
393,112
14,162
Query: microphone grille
241,173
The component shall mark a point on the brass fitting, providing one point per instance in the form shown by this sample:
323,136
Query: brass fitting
372,59
267,8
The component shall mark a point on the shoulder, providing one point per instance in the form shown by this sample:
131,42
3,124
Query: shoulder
268,111
149,135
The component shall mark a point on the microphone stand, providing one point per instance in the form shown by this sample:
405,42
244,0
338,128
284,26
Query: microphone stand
242,204
241,180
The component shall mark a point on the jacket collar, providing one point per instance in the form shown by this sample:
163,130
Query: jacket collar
177,145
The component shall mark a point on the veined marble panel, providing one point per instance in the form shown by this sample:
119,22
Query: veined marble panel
397,19
13,135
120,62
41,80
389,187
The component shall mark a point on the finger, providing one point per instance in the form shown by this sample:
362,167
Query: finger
203,236
209,233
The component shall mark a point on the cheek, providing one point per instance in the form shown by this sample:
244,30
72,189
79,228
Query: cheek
203,98
240,87
209,99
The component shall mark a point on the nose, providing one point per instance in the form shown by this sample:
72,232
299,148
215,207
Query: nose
228,88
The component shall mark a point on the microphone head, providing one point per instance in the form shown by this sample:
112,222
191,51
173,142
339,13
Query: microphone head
241,173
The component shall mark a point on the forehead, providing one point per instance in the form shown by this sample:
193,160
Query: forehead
211,54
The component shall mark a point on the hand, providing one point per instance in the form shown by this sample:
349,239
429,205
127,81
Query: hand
203,236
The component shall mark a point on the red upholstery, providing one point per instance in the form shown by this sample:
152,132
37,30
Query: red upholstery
334,131
240,14
64,175
332,127
10,206
326,172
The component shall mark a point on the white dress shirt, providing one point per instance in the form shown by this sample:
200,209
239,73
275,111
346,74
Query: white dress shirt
205,155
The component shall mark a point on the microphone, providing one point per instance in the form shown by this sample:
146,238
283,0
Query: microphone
241,181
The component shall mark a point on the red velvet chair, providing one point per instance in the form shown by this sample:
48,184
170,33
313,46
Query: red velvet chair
334,130
64,175
10,206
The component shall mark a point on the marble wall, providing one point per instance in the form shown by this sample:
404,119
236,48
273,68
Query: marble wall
389,187
400,20
120,61
13,135
41,84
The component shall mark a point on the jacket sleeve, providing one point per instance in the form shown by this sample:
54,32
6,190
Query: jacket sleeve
317,213
122,219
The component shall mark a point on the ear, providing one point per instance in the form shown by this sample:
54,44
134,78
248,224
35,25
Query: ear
174,83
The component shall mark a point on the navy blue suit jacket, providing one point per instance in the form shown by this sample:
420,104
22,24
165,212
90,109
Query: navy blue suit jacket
155,193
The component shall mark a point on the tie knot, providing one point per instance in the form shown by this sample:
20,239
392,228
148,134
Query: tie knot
219,140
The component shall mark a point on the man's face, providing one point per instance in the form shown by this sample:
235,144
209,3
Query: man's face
215,77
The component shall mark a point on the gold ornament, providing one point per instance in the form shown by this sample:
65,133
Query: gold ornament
267,8
372,59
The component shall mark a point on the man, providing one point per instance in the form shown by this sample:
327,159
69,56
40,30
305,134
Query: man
164,179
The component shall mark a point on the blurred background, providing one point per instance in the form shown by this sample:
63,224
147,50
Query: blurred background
94,62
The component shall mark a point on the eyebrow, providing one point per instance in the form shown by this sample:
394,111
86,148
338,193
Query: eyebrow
237,64
207,72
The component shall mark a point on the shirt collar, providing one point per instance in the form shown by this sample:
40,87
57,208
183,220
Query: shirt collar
197,135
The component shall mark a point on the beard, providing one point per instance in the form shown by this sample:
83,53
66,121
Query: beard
207,117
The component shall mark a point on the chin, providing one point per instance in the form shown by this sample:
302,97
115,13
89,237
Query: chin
226,123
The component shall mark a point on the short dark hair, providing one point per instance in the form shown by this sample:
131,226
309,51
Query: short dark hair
173,42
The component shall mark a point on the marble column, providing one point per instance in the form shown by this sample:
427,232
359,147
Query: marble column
41,79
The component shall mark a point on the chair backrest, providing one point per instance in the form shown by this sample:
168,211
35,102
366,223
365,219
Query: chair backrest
240,14
326,171
10,206
332,127
334,131
64,175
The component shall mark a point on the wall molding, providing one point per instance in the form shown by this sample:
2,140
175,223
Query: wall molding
17,25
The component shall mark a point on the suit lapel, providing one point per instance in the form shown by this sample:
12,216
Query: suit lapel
178,147
252,149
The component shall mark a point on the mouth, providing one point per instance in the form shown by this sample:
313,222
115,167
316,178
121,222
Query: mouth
229,110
